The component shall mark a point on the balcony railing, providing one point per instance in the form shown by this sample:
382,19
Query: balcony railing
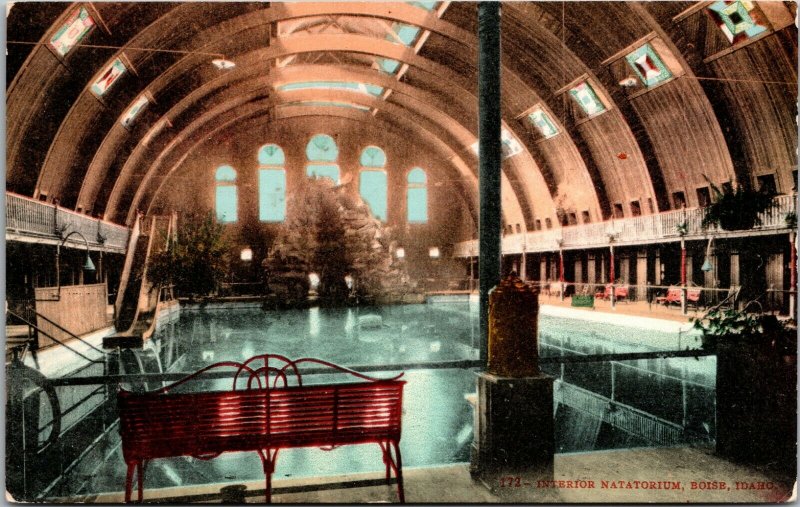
629,231
35,221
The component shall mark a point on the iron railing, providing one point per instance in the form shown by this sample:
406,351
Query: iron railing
28,218
627,231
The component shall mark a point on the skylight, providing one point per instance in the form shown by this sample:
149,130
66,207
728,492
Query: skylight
72,31
428,6
133,111
543,122
320,103
586,97
737,20
648,66
401,33
223,64
108,77
368,89
509,144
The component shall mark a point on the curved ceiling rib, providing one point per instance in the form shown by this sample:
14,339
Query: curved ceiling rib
626,154
454,135
429,21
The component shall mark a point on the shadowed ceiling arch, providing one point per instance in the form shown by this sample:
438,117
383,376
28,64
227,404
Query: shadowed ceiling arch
624,154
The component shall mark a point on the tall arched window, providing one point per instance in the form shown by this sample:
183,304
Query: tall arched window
372,181
417,196
226,198
271,184
322,154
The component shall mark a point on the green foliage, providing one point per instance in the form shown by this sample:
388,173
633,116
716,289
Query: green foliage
736,208
682,229
735,326
196,262
791,220
331,232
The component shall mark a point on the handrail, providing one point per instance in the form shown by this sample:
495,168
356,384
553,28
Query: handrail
48,335
648,228
28,216
458,364
70,333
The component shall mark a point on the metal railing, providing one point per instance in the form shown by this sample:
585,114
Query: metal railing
26,217
634,230
691,296
82,410
626,418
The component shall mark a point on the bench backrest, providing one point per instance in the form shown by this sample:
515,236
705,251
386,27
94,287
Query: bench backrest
674,294
160,423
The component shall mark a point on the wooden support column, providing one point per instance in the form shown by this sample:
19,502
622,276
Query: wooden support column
543,268
641,275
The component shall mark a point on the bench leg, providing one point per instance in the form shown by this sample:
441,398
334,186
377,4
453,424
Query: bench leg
386,459
140,466
268,458
399,472
129,482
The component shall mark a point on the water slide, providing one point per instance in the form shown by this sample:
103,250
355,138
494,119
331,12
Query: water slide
138,301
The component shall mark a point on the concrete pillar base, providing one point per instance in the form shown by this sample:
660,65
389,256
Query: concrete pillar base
513,432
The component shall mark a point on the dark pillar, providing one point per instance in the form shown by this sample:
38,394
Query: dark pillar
489,158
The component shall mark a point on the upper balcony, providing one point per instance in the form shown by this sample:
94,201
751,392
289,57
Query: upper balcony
32,221
659,228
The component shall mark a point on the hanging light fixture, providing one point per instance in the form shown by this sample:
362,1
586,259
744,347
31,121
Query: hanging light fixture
89,265
707,266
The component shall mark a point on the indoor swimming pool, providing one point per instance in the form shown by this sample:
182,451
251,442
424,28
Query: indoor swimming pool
665,397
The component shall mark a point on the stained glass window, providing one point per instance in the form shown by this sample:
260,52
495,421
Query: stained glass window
417,196
543,122
74,29
226,196
272,195
650,69
108,77
372,187
133,111
372,156
322,147
586,97
271,154
738,20
271,184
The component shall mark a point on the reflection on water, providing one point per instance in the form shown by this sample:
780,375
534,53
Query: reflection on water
598,405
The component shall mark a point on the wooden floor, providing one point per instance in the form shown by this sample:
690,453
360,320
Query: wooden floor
672,475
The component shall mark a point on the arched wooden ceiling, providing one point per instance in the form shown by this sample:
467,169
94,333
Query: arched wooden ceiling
728,113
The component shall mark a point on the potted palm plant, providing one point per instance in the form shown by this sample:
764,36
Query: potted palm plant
756,385
736,208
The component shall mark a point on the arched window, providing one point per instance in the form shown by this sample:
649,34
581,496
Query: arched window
271,184
372,181
417,196
322,153
226,198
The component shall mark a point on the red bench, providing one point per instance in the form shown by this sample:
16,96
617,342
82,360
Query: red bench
264,415
620,293
674,296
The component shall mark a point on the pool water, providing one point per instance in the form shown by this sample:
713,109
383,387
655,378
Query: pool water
437,419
